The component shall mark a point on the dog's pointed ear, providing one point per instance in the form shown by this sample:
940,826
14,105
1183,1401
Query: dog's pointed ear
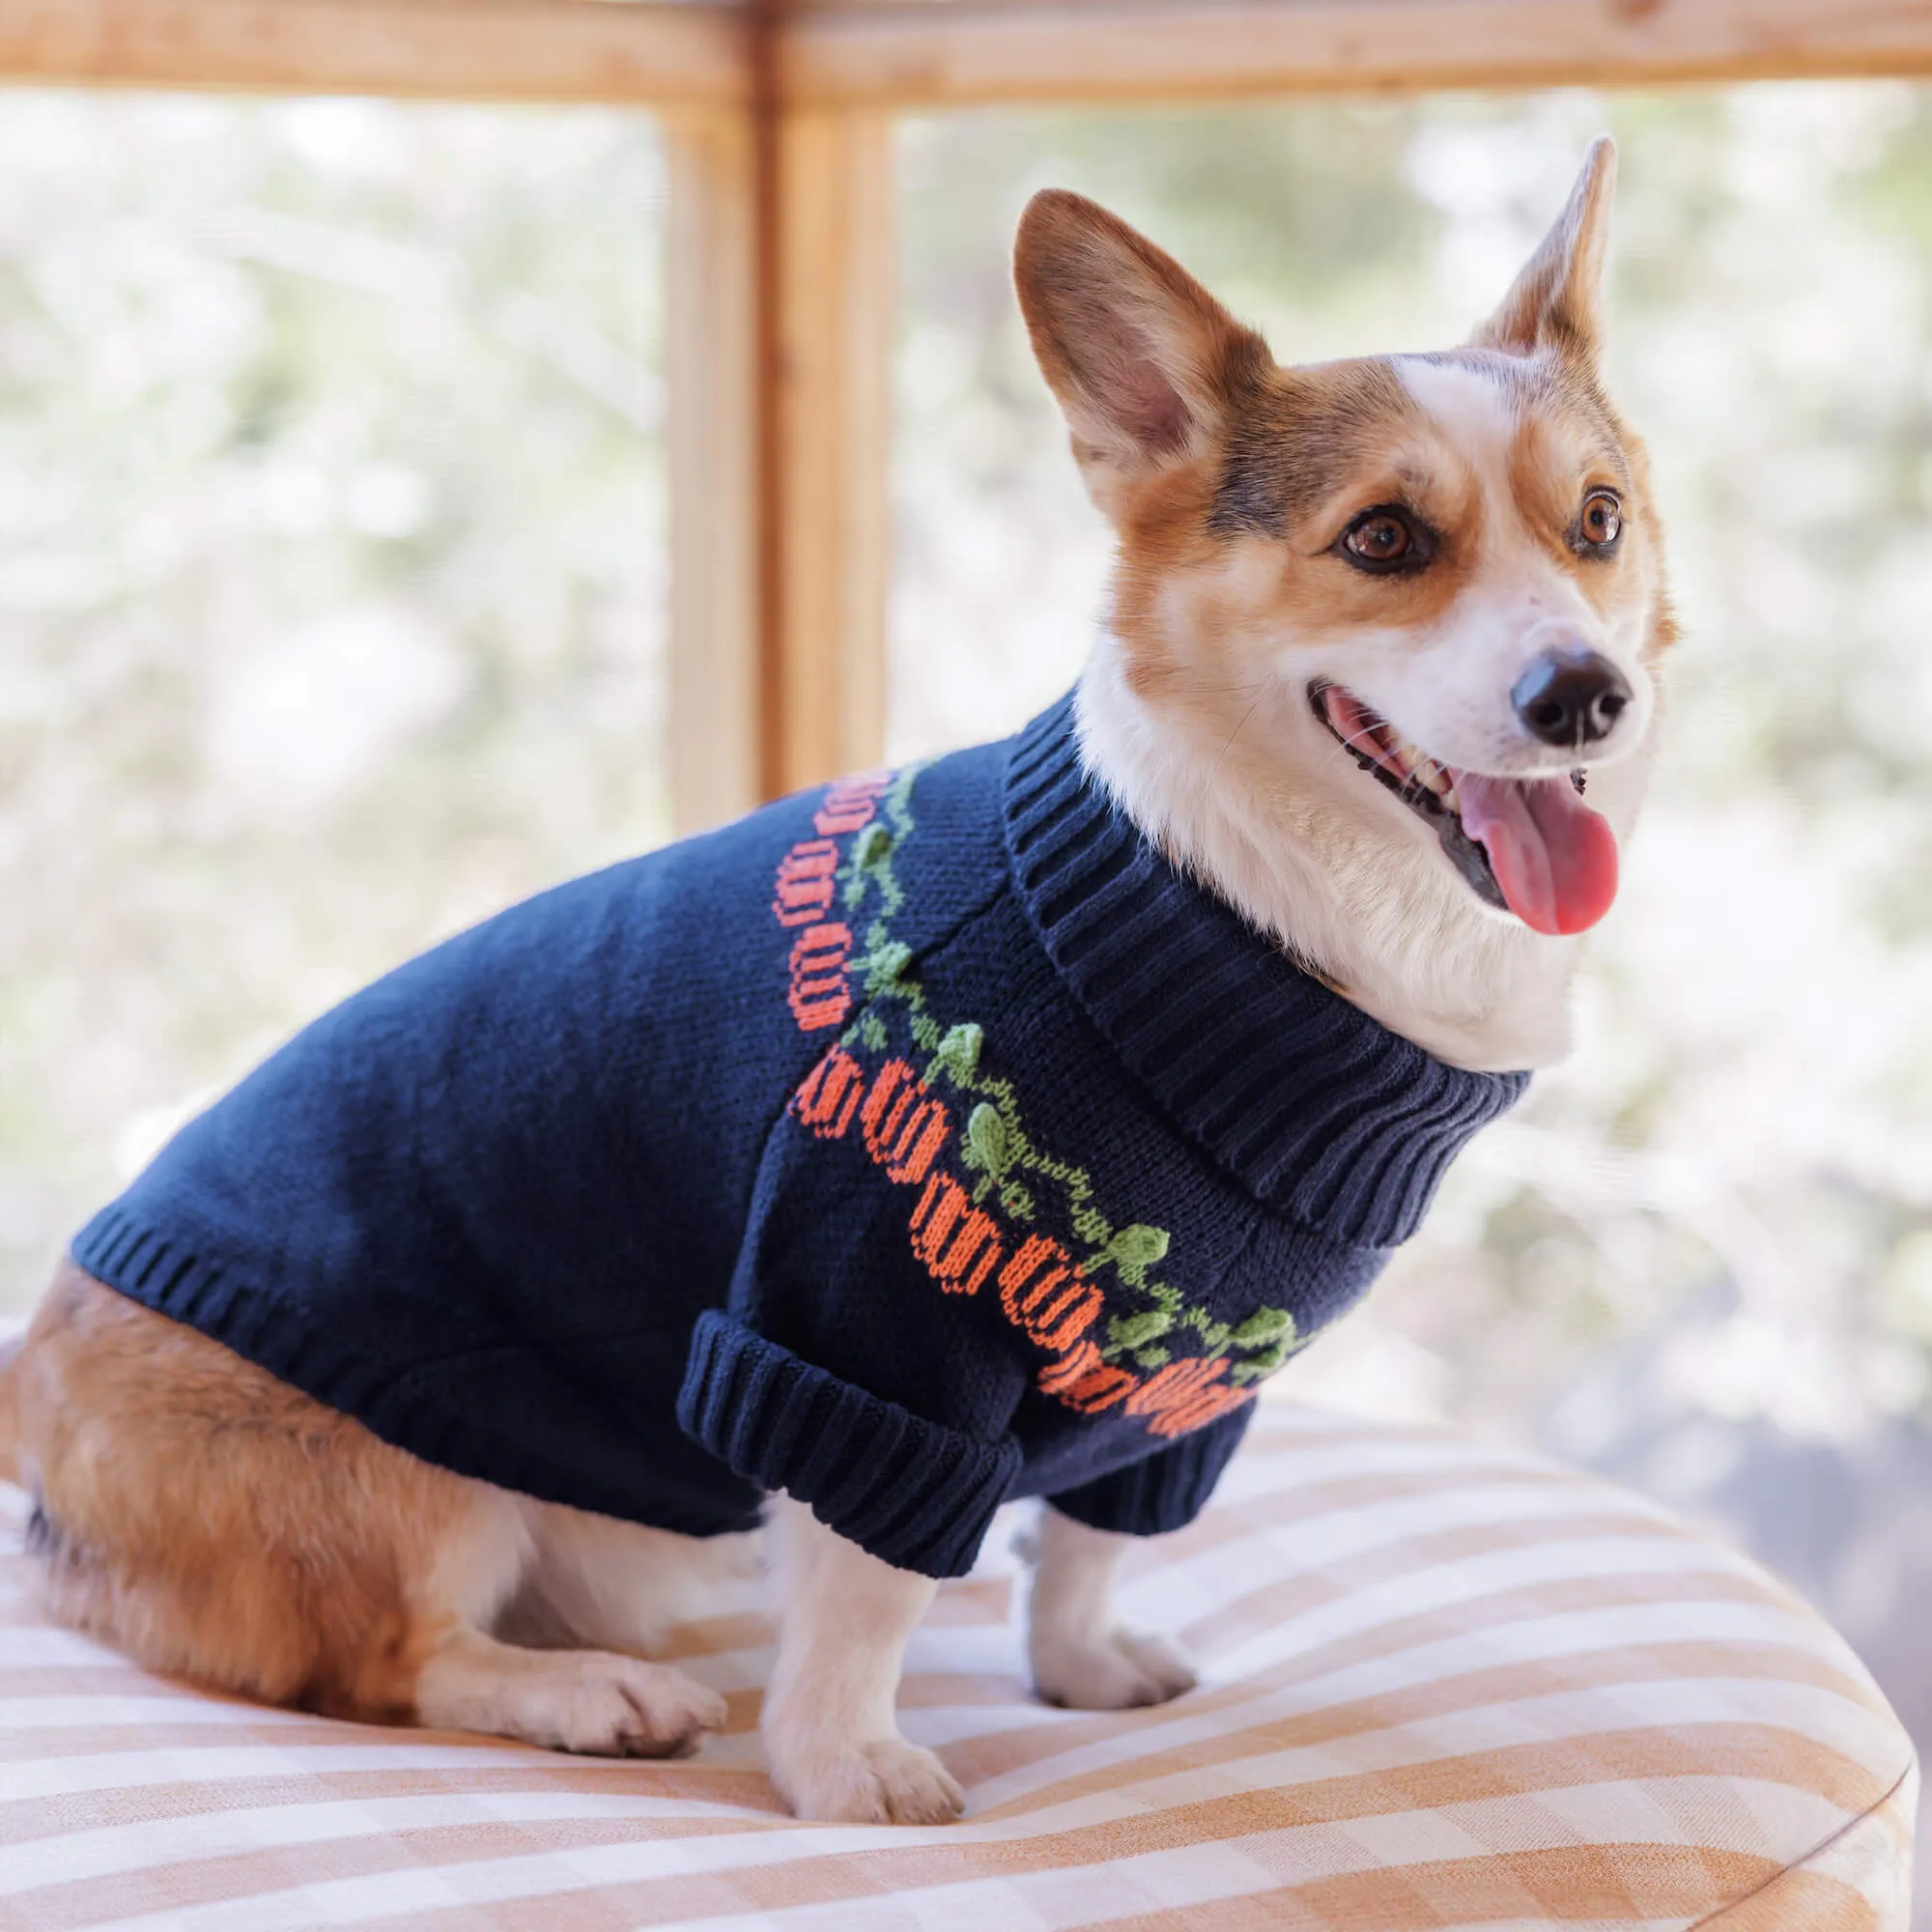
1557,301
1145,363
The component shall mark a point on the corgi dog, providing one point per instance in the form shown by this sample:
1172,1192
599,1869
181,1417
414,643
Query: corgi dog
1371,708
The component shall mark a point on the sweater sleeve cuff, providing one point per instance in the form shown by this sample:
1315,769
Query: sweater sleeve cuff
916,1494
1160,1492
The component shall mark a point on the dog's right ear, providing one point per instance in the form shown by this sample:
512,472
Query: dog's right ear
1143,360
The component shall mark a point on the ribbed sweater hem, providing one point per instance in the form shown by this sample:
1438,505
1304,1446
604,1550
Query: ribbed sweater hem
171,1274
916,1494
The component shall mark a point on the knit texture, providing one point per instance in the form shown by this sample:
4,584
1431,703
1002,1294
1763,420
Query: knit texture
908,1145
911,1492
1160,1492
1314,1106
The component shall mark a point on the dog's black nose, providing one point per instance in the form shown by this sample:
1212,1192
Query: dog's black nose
1571,698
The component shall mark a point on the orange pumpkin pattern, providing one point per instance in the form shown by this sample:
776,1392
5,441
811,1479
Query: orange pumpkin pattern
959,1241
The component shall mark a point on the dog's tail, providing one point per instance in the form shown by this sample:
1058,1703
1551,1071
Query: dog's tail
10,1350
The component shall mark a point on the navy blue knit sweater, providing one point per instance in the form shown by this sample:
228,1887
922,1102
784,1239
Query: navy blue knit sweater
909,1146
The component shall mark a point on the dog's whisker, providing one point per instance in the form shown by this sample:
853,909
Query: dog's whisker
1240,727
1353,737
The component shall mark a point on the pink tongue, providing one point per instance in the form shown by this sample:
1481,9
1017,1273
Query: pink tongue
1555,858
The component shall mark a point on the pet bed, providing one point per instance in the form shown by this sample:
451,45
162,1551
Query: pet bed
1443,1685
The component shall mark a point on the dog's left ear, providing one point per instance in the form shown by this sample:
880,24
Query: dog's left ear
1557,302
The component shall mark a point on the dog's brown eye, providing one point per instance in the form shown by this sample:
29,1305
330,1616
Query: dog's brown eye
1387,540
1603,520
1380,539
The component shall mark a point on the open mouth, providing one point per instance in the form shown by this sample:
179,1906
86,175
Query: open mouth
1529,846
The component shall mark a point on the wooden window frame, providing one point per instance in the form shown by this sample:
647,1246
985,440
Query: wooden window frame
782,287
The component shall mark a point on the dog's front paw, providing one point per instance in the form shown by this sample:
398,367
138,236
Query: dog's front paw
1112,1671
891,1782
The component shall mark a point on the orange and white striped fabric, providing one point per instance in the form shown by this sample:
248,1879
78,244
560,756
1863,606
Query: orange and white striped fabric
1443,1685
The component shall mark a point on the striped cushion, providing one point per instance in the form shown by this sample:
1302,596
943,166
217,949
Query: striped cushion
1444,1685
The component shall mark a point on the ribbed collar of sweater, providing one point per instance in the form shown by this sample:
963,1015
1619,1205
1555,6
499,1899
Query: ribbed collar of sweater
1313,1107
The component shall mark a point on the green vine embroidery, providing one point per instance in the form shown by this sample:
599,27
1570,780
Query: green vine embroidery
996,1148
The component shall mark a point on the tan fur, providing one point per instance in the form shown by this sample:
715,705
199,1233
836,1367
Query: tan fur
1567,443
216,1523
1254,455
10,1350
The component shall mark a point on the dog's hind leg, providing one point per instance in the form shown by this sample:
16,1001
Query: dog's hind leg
213,1521
594,1580
575,1700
